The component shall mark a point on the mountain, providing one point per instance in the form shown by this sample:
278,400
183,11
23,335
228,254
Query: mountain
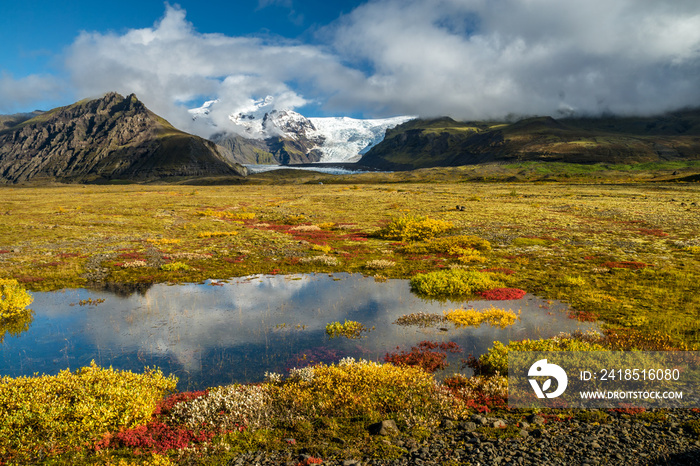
112,137
8,121
446,142
263,134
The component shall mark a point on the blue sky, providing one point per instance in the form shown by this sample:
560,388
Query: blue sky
467,59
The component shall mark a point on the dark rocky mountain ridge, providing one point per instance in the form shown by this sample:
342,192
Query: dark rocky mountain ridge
446,142
113,137
276,150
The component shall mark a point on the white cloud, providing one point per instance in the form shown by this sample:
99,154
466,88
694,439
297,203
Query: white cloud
171,63
17,93
463,58
477,58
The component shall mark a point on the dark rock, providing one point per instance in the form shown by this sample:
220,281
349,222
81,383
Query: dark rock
447,424
386,427
467,426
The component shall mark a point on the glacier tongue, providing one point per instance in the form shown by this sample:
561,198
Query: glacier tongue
346,139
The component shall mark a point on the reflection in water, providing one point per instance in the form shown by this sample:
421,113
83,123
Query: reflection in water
219,333
15,325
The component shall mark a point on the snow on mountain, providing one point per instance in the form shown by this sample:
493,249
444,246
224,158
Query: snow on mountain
203,110
346,139
339,139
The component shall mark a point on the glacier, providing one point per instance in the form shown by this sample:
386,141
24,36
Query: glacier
338,139
347,139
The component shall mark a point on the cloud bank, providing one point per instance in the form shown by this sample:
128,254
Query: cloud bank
467,59
17,93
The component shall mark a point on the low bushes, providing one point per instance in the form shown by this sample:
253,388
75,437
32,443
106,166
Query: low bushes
496,359
364,389
428,355
229,408
414,228
215,234
228,215
472,318
14,315
175,266
502,294
48,415
13,299
349,329
453,245
453,282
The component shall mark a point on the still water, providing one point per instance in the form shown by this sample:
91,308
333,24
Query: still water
224,332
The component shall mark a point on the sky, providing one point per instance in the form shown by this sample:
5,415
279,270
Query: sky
468,59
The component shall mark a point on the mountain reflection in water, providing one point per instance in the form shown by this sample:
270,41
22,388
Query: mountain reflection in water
224,332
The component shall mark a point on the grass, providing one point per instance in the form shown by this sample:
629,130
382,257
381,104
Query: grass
544,233
623,251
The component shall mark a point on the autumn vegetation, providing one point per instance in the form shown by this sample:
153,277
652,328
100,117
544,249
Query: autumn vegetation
626,255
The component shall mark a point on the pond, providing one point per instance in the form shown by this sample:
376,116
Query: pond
222,332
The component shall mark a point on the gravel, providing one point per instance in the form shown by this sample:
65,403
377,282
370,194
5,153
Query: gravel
620,439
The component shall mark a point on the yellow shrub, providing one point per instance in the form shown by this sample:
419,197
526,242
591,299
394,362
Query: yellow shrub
323,249
216,234
570,281
294,219
175,266
326,225
410,228
350,329
163,241
453,245
472,318
454,282
47,415
224,214
13,299
153,459
366,389
470,256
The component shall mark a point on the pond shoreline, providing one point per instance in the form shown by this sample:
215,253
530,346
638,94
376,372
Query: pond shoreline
196,330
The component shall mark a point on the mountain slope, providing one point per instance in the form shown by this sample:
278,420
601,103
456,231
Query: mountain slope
445,142
107,138
8,121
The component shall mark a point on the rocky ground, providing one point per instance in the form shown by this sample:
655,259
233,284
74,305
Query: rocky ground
621,440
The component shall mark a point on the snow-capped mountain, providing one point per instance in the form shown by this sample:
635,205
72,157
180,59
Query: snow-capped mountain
346,139
334,139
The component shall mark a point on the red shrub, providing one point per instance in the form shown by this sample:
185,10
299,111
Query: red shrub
429,356
583,316
627,409
29,279
310,460
154,437
652,232
480,402
502,294
167,404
